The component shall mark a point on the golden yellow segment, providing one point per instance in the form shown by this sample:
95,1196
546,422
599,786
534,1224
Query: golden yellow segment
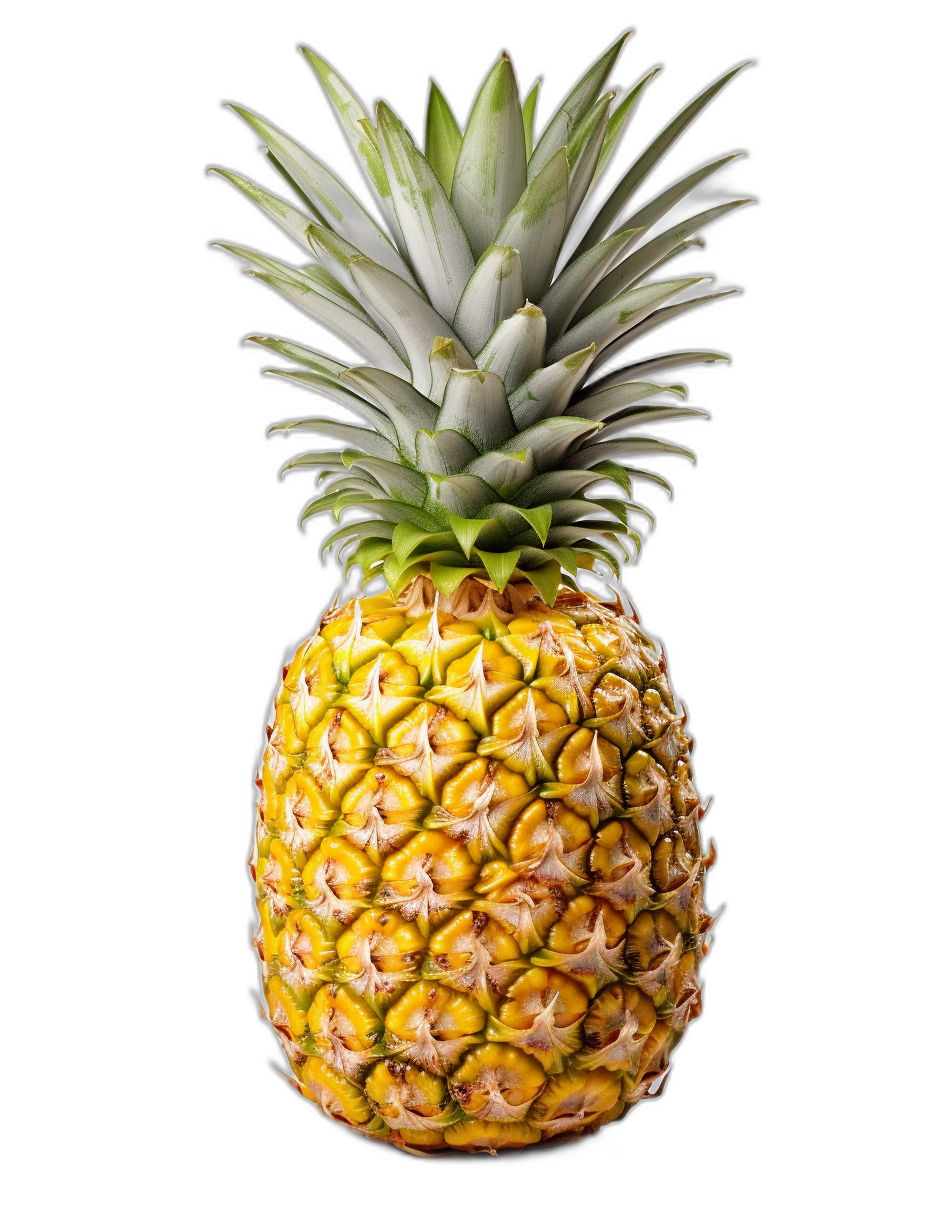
404,1095
428,746
475,955
339,880
311,685
392,943
653,1062
528,732
617,704
340,1013
574,1099
496,1082
535,824
647,796
449,1014
479,805
433,642
478,683
615,1029
427,877
620,862
339,751
587,773
305,940
570,935
381,812
360,631
538,990
494,875
381,692
306,813
334,1093
288,1000
491,1136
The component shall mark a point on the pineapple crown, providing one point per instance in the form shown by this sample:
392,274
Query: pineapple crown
482,442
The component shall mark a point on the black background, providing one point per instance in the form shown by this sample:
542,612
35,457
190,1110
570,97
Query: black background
705,584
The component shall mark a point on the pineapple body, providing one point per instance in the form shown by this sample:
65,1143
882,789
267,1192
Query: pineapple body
478,867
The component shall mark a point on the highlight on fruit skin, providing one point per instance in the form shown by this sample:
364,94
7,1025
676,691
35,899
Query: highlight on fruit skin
479,872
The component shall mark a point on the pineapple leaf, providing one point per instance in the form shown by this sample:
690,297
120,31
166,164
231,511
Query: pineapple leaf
653,321
644,164
552,486
493,292
657,363
607,401
439,252
567,118
338,393
406,409
466,531
618,474
475,406
323,365
443,453
583,155
546,579
650,414
551,439
505,472
536,224
371,442
618,122
447,579
646,258
410,314
528,118
577,280
446,353
516,347
399,481
407,538
499,565
648,476
344,323
355,530
547,391
489,177
629,446
442,138
329,196
290,220
617,316
464,495
539,519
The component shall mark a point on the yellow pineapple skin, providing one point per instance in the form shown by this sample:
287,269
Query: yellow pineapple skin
478,867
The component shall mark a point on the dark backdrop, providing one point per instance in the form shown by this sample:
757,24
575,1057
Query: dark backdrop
704,585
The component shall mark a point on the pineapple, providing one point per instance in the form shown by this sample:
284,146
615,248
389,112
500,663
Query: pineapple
480,880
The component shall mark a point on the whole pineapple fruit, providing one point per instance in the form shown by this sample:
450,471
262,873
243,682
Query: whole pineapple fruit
478,864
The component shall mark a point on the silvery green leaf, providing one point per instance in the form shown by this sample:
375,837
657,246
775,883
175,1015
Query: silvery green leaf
291,220
367,340
554,486
489,177
643,165
652,321
504,471
358,129
618,122
637,415
650,477
407,409
446,353
583,154
324,365
536,225
443,453
625,447
606,402
442,137
409,313
577,280
528,118
401,482
655,209
338,393
617,316
267,265
493,292
438,249
475,406
550,440
650,367
648,256
464,495
516,347
547,391
371,442
354,530
569,115
330,197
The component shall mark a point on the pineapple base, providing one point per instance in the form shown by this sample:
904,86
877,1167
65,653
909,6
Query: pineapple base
478,867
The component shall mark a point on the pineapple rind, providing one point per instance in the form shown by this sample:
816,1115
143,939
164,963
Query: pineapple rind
482,965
